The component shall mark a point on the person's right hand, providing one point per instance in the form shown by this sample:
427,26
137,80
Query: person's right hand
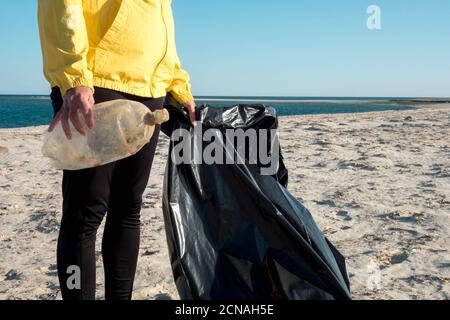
78,100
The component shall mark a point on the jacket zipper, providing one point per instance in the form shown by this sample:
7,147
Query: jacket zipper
166,41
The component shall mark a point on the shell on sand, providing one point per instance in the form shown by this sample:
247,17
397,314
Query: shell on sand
3,150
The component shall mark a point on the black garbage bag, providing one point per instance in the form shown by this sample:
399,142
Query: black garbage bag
235,233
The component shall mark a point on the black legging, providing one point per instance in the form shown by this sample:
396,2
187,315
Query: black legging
117,189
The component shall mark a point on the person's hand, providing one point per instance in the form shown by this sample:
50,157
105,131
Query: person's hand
78,100
190,107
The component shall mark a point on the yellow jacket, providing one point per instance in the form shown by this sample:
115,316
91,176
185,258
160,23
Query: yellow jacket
124,45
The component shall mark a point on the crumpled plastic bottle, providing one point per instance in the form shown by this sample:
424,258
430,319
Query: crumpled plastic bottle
122,128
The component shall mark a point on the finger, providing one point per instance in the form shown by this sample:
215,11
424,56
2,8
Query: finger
55,121
89,117
75,119
65,123
87,104
192,115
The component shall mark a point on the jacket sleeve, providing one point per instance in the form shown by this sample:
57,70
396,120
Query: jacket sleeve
64,43
180,86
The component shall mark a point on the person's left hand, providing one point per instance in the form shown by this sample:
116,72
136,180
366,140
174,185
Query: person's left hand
190,107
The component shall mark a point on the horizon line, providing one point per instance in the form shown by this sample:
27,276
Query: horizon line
243,97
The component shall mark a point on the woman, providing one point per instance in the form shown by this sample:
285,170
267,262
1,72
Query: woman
95,51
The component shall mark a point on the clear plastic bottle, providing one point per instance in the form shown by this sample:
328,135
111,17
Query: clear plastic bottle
122,128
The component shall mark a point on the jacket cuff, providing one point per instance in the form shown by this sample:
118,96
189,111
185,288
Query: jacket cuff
77,82
182,97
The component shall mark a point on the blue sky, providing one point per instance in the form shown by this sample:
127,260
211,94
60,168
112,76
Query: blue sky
277,48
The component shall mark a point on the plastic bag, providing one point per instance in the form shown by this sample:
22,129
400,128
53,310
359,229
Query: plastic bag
234,233
122,128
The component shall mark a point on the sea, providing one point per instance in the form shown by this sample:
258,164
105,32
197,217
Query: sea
34,110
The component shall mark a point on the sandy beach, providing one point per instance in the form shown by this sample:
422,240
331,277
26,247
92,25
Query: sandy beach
377,184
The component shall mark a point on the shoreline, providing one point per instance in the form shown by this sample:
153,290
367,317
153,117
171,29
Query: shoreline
406,101
343,114
442,106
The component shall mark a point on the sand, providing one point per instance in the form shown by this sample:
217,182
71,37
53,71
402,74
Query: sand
378,185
